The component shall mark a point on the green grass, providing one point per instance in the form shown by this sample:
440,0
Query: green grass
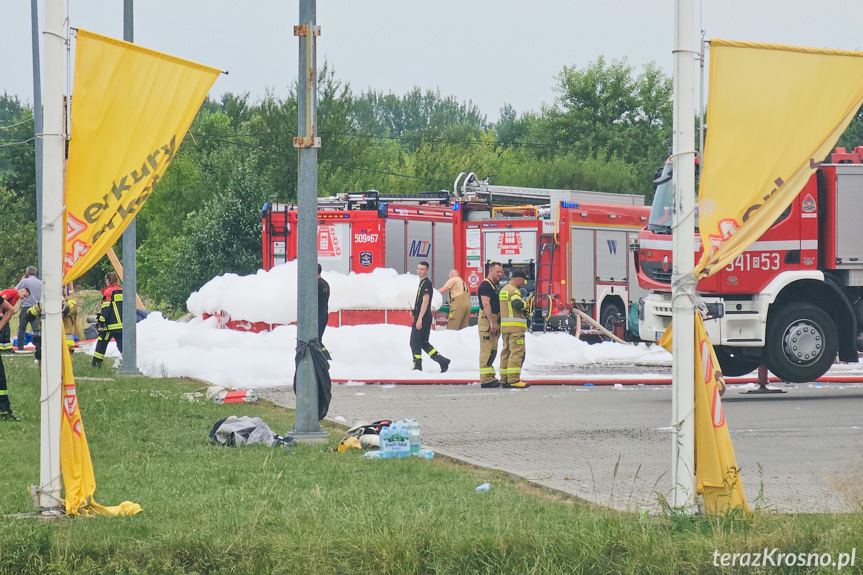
209,509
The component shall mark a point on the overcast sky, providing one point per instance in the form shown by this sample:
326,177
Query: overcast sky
488,51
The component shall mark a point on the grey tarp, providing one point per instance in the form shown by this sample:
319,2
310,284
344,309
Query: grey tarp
236,431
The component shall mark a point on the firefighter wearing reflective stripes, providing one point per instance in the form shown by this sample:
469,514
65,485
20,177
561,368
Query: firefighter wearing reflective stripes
488,324
70,320
421,324
110,319
513,325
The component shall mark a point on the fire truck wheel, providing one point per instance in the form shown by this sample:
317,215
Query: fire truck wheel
611,314
801,343
733,363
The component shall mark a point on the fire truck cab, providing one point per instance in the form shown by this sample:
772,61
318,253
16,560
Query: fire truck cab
794,299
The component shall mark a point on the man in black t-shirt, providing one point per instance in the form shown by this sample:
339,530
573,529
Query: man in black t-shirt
489,324
422,320
5,406
323,311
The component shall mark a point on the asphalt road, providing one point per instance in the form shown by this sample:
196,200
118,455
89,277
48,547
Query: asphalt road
800,451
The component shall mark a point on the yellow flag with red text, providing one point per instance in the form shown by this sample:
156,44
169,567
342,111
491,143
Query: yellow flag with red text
773,115
75,463
131,108
716,473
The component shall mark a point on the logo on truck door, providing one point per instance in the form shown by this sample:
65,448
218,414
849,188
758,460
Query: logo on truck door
612,247
509,243
420,249
809,207
328,242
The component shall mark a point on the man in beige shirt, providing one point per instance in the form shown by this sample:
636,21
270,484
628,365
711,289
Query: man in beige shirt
459,301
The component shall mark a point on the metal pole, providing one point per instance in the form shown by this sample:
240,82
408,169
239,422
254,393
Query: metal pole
130,264
52,274
683,281
37,122
307,428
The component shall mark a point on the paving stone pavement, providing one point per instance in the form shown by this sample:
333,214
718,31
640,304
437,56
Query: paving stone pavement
801,450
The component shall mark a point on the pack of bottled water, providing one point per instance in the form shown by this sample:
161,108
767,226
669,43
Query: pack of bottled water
400,439
395,441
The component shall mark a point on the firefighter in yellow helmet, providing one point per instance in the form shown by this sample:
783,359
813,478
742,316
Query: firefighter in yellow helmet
513,325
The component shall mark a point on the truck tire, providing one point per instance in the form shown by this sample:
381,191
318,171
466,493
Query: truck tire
733,363
611,313
802,343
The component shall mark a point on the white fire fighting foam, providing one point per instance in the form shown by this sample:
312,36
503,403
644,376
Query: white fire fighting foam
370,353
272,296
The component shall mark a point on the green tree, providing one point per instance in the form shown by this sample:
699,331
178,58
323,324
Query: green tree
19,239
17,153
853,135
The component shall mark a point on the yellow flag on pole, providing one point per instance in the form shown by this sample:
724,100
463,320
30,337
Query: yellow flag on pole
75,462
716,473
773,114
131,108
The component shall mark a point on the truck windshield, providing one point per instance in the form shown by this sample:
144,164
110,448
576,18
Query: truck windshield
660,213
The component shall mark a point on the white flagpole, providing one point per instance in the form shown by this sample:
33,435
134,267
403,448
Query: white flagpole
683,283
52,258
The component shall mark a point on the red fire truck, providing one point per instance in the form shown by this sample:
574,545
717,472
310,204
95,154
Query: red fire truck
573,245
794,299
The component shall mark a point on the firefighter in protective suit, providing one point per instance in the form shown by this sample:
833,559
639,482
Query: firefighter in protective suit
514,310
70,323
110,318
488,324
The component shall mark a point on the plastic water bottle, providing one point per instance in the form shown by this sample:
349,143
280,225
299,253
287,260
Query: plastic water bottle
378,455
414,432
425,453
403,449
483,487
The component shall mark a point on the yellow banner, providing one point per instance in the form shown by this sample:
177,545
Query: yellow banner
716,472
131,108
774,113
78,478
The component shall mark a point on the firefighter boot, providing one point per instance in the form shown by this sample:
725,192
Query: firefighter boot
517,385
8,416
418,363
442,362
96,362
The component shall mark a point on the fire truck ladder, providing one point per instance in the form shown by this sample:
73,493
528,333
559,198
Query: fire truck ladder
372,199
542,299
469,187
